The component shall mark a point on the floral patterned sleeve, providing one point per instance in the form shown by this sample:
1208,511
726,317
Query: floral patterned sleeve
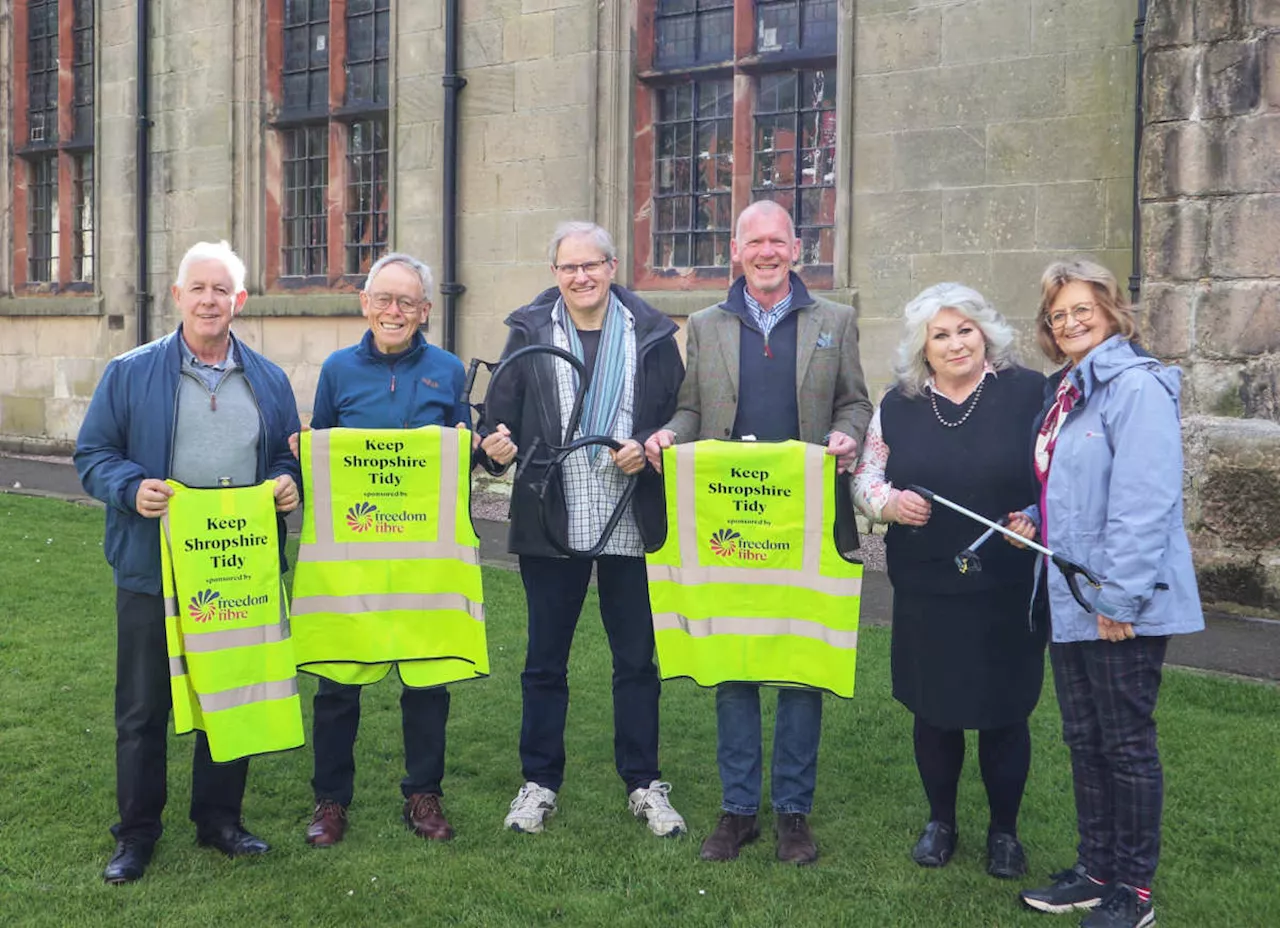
871,491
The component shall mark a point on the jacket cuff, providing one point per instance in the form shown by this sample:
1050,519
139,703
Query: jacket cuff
1113,610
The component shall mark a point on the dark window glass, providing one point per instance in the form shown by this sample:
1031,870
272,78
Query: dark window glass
83,68
795,151
693,32
366,214
306,55
796,25
693,174
82,202
42,71
305,214
368,51
42,218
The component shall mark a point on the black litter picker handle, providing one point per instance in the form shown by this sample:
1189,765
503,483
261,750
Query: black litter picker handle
559,452
1071,570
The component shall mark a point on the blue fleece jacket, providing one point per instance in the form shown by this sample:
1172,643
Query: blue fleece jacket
361,388
127,437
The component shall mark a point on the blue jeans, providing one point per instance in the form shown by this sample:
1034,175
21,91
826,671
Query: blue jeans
554,590
1107,692
739,751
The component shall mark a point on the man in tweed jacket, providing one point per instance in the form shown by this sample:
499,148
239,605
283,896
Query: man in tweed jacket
770,362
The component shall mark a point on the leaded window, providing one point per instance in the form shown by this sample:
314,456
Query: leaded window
83,70
306,189
796,26
42,222
693,31
306,55
42,72
366,219
82,221
368,51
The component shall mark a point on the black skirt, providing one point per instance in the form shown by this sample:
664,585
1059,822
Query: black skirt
968,660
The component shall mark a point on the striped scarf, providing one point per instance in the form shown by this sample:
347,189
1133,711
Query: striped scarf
604,392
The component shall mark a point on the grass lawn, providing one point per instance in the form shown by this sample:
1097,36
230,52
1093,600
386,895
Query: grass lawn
594,865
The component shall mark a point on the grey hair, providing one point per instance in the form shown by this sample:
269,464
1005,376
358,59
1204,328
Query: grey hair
764,206
911,369
409,261
213,251
598,234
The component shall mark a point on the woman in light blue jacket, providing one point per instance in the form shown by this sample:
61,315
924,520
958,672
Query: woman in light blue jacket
1109,460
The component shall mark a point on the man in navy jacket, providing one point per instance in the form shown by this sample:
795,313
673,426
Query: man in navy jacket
203,408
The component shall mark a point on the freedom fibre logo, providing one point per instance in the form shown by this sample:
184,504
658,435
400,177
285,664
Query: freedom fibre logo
724,543
360,517
204,605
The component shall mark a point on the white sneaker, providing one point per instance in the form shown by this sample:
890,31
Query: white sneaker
532,806
652,807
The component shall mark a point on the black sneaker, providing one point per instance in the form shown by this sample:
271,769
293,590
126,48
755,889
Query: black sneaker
1121,908
1070,889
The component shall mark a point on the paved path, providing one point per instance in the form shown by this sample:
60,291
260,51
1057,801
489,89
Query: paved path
1248,647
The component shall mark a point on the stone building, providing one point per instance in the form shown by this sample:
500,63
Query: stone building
915,141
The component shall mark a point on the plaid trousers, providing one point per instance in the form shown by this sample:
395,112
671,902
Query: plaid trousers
1107,693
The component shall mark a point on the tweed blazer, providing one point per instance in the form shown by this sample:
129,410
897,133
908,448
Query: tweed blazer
831,392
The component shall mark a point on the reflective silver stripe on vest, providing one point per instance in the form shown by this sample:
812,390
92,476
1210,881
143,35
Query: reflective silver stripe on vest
321,489
178,666
387,602
207,642
247,695
728,625
388,551
808,577
171,607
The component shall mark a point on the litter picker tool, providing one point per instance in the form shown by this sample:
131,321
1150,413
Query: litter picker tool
1071,570
967,561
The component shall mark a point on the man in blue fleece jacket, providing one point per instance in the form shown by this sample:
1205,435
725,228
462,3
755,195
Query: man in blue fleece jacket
391,379
201,407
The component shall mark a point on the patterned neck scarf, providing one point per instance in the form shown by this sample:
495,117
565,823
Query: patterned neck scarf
604,392
1064,401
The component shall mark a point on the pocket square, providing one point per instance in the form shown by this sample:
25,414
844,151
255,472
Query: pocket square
824,339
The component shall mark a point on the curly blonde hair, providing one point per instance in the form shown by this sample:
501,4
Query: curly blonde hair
911,369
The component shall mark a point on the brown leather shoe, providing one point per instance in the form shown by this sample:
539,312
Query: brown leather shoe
795,839
328,824
423,814
730,834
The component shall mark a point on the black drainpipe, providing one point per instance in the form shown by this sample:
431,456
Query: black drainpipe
141,232
1139,36
450,289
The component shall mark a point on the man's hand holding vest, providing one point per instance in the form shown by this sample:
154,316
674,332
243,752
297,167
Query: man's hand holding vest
663,438
286,494
152,500
845,449
630,457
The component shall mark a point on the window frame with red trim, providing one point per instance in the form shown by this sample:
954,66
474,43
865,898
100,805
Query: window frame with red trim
53,145
328,178
734,102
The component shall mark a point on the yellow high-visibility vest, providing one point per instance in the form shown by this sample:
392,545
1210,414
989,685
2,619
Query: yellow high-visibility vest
231,665
389,564
749,585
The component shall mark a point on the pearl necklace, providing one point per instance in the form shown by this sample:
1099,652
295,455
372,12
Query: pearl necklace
971,403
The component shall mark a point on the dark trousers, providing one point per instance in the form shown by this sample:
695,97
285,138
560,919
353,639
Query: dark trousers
1004,757
555,589
424,713
143,701
1107,692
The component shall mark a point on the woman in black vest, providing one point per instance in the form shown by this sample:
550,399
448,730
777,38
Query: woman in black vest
966,654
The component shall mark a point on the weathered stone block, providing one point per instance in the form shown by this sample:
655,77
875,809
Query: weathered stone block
528,36
1119,191
482,42
545,134
1232,79
473,10
1181,158
984,30
1015,286
1057,150
1260,388
533,234
1243,236
973,269
416,145
487,238
1250,154
883,282
1100,82
1239,319
1270,53
574,33
933,158
1175,239
898,223
1071,217
22,415
1241,482
1166,314
553,83
489,91
1219,19
1058,26
1169,82
1264,12
898,41
873,163
1170,22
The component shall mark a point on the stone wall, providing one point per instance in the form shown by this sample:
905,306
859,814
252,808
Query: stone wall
992,137
1210,183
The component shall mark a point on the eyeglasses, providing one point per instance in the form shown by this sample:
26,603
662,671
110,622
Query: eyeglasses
587,267
1081,312
407,305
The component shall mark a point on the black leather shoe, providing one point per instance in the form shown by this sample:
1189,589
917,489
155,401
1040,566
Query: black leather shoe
1006,860
232,840
129,861
936,845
